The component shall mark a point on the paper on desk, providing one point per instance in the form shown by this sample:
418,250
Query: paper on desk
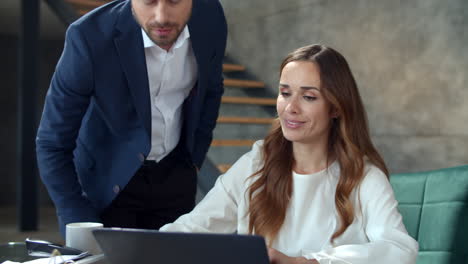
51,260
87,260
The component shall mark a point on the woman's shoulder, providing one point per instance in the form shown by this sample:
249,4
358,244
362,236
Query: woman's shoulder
375,180
254,155
373,173
246,165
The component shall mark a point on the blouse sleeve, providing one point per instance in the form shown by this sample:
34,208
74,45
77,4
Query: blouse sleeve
389,241
218,211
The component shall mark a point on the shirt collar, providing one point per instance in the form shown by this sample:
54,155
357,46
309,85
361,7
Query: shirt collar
183,36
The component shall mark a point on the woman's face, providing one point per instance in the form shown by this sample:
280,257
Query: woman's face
303,111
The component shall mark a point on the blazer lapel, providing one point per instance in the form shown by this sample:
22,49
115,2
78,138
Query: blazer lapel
129,44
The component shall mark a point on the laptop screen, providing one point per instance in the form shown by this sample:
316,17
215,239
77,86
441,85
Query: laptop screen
124,246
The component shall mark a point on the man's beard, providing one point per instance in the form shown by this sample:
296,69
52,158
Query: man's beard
162,42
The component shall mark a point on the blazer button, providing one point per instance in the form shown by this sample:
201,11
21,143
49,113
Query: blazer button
116,189
141,157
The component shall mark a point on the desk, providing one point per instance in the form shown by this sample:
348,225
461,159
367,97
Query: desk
16,252
97,259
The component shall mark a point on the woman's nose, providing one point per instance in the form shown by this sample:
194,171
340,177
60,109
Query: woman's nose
292,106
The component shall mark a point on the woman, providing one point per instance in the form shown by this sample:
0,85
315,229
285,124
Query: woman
316,188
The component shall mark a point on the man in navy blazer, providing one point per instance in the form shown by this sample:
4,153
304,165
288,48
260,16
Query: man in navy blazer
108,147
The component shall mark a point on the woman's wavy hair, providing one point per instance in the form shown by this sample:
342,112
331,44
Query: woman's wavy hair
349,143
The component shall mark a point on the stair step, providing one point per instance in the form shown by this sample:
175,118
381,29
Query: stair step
228,67
248,100
223,167
87,3
83,12
243,83
244,120
232,142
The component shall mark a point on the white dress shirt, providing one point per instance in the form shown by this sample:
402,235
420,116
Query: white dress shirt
377,234
171,74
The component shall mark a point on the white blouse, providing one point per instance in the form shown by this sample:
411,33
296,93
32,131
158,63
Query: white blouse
377,234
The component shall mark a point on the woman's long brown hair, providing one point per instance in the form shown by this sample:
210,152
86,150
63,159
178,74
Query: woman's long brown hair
349,142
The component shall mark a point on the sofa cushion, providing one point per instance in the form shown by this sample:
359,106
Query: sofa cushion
434,206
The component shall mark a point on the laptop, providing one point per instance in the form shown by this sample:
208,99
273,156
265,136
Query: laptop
128,246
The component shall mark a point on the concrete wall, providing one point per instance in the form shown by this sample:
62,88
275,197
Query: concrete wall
409,58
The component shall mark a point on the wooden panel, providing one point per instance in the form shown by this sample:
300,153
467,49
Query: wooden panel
87,3
223,167
244,120
232,142
248,100
227,67
83,11
243,83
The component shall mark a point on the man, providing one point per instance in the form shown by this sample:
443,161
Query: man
129,115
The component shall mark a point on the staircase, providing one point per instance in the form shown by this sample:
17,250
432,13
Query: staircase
84,6
246,112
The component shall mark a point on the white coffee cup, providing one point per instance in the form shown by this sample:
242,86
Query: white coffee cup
80,236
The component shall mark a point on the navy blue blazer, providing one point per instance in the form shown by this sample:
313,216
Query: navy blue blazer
95,129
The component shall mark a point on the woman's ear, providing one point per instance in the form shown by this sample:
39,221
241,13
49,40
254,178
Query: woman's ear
334,113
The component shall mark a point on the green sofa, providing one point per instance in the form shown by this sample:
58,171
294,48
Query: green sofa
434,206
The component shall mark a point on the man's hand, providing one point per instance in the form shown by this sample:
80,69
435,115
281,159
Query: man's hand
277,257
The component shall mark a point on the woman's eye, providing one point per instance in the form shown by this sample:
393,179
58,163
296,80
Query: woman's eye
284,94
310,98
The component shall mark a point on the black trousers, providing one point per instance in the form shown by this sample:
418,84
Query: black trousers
157,194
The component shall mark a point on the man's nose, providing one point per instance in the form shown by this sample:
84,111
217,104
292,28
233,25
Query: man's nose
161,12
